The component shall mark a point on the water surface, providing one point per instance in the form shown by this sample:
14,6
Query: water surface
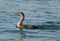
43,13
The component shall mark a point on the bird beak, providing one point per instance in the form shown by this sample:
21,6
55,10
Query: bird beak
17,13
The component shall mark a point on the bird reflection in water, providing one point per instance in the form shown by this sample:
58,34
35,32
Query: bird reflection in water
22,35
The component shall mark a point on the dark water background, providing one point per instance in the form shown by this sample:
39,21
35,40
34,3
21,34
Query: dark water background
43,13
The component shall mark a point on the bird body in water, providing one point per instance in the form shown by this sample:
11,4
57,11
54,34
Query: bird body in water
21,25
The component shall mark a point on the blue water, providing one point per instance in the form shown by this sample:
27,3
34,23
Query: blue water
43,13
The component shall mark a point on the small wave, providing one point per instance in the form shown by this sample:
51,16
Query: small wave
50,25
10,31
47,12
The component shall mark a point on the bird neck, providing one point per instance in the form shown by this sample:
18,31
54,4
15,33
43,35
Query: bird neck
21,21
